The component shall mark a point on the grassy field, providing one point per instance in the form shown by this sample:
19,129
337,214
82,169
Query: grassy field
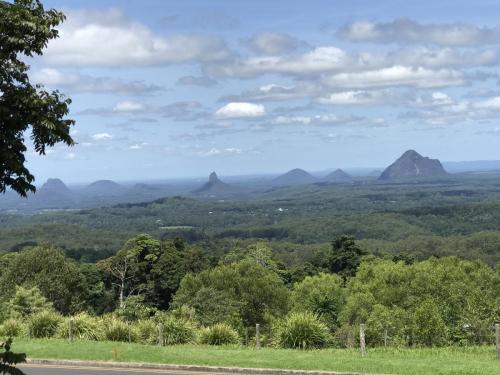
443,361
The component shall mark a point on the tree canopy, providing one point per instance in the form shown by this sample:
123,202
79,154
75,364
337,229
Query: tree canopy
25,30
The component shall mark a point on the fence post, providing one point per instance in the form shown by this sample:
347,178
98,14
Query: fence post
257,336
385,338
70,329
362,343
160,334
497,340
246,336
129,333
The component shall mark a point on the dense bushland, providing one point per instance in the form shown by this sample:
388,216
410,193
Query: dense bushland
459,216
169,292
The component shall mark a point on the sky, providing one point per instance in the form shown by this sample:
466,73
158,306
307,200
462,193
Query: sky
174,89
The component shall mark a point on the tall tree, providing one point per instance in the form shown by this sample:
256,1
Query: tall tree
345,256
130,267
46,268
25,30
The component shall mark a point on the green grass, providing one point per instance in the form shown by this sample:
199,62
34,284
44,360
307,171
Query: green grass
443,361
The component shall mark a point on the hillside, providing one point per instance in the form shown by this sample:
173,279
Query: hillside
412,165
294,177
214,187
338,175
103,188
53,193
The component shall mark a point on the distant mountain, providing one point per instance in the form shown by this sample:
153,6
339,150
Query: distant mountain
53,193
215,187
54,185
410,165
294,177
103,188
338,175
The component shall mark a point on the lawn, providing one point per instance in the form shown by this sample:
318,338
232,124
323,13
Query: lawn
442,361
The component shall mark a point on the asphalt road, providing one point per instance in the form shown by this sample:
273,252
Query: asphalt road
82,370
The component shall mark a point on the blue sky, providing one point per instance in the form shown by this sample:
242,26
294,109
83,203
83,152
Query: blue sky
168,89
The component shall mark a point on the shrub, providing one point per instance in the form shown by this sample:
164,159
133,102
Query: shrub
346,336
134,309
26,302
302,330
84,327
177,330
43,324
12,328
321,294
146,331
219,334
428,327
115,329
383,320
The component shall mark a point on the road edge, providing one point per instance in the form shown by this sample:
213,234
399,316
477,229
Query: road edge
194,368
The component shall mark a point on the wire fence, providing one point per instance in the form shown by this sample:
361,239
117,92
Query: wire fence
354,336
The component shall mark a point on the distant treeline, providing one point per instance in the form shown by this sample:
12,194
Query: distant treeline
455,218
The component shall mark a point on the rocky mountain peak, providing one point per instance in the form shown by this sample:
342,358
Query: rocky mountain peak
213,177
411,164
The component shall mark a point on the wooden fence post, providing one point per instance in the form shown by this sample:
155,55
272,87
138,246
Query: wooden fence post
129,333
160,334
362,343
246,336
385,338
257,336
70,329
497,340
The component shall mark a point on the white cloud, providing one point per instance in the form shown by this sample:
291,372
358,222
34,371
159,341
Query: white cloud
326,119
409,31
138,146
333,60
178,111
76,82
397,76
441,97
54,77
240,110
437,98
102,137
319,60
107,37
302,120
438,108
221,151
358,97
129,107
274,92
442,57
491,103
272,43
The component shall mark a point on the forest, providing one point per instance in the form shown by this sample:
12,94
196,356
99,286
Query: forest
416,263
200,298
459,216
